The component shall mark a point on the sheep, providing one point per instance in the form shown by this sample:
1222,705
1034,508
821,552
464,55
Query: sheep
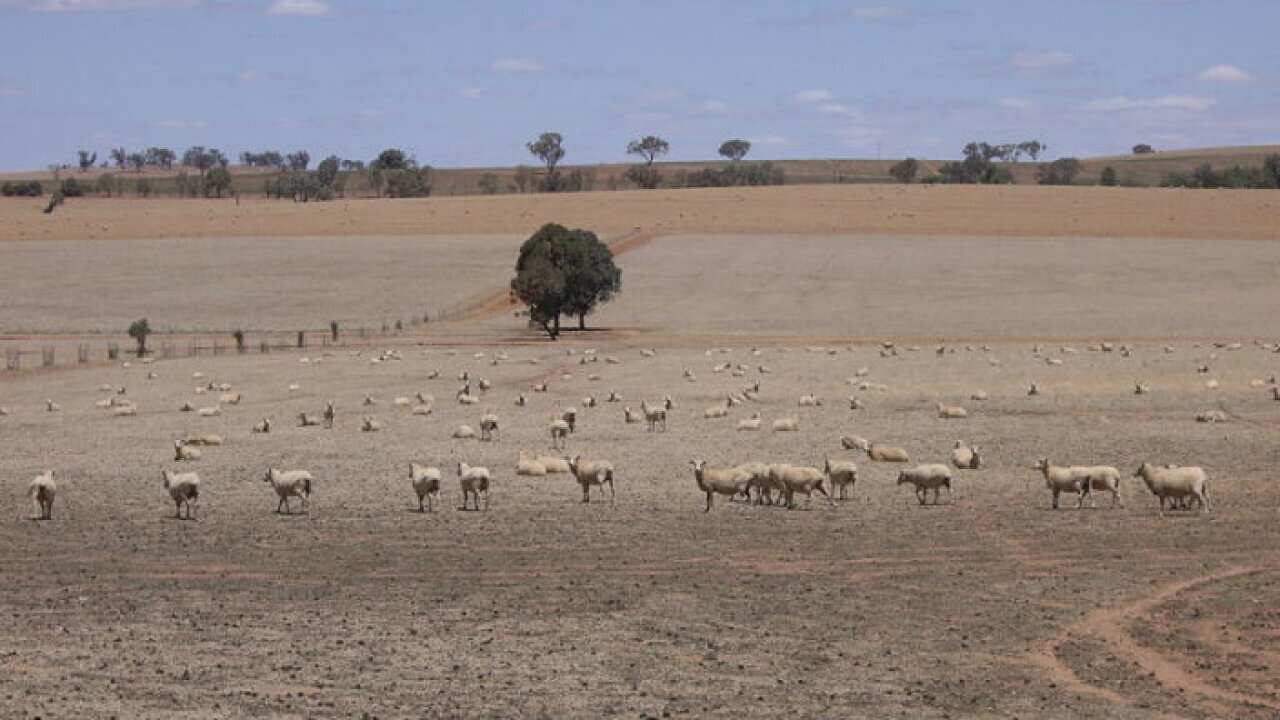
42,490
965,458
463,432
421,410
630,416
843,475
1211,416
181,452
294,387
1033,389
187,407
793,479
809,400
786,424
750,424
530,466
426,484
369,401
401,401
1104,478
854,442
592,472
368,424
473,481
715,411
229,398
488,426
520,400
125,411
613,397
668,403
263,427
1275,393
287,484
205,439
570,417
184,488
925,478
104,403
648,352
855,403
1141,388
213,411
538,387
759,480
589,401
886,453
51,406
306,420
979,396
1074,479
483,384
719,481
951,412
329,414
560,432
654,416
1176,483
468,399
555,465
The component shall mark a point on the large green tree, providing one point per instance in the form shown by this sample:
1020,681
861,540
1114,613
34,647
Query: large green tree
564,272
549,148
735,149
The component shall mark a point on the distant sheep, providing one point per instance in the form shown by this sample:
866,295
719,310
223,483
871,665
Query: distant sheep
42,491
463,432
887,453
786,424
952,412
750,424
263,427
964,457
182,453
229,398
368,424
809,400
854,442
184,488
329,415
473,481
630,416
592,472
488,426
308,420
1211,416
205,439
570,418
719,481
51,406
654,416
426,484
213,411
559,433
529,466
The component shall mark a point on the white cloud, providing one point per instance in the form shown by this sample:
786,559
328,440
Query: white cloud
768,140
859,135
1225,74
839,109
813,96
181,124
517,65
307,8
1013,103
712,106
1033,61
1121,103
471,93
86,5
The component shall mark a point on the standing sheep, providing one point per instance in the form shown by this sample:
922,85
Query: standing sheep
926,478
750,424
843,475
965,458
1060,480
426,484
798,479
592,472
473,481
559,433
1176,483
184,488
42,491
719,481
263,427
654,416
287,484
488,426
329,414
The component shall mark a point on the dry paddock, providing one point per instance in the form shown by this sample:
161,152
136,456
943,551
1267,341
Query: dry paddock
990,604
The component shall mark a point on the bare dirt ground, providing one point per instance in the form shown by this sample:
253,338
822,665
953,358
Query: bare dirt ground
988,605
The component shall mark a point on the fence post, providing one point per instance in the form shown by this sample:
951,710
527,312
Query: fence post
82,353
113,351
47,356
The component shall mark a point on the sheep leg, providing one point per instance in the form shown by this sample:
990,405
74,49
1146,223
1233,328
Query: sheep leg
611,491
1055,499
177,509
191,510
921,495
486,499
709,496
586,492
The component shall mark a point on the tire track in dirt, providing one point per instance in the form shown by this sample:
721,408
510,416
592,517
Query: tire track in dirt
1108,625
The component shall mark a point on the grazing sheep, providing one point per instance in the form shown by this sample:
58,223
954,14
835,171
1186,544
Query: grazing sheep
1074,479
810,400
560,433
329,415
965,458
463,432
368,424
182,453
526,465
51,406
654,416
1176,483
786,424
843,475
426,484
750,424
854,442
925,478
205,439
184,488
630,416
488,426
887,453
1211,416
287,484
42,491
229,398
719,481
473,481
592,472
951,412
306,420
794,479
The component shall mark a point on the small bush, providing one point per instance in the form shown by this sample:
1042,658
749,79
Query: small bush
72,188
1109,177
22,188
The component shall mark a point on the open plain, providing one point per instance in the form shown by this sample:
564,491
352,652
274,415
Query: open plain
989,604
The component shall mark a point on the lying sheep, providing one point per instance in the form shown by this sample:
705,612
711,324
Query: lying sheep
786,424
809,400
965,458
183,453
750,424
229,398
1211,416
925,478
263,427
854,442
213,411
592,472
630,416
843,475
368,424
426,484
952,412
125,411
488,426
205,439
42,491
794,479
1060,480
287,484
307,420
715,411
719,481
463,432
555,465
1176,483
473,481
529,466
886,453
184,488
559,433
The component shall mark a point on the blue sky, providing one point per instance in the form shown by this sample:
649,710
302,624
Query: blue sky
468,83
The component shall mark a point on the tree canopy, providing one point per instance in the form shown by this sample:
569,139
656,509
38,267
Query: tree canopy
564,272
549,148
735,150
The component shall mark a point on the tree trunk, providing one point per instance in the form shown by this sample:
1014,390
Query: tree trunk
582,321
556,324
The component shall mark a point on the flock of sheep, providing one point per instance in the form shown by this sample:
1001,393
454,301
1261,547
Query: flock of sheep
755,482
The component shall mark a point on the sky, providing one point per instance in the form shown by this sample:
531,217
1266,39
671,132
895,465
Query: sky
468,83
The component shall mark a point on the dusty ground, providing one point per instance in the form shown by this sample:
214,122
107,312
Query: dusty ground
989,605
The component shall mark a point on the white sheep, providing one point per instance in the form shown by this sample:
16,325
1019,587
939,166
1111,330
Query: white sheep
129,410
750,424
794,479
715,411
1104,478
613,397
952,412
809,400
979,395
589,401
426,484
570,417
592,472
1211,416
1176,483
51,406
538,387
368,424
290,483
843,475
759,480
401,401
786,424
263,427
1074,479
1141,388
183,453
925,478
854,442
212,411
719,481
473,481
526,465
887,453
463,432
229,398
554,465
307,420
488,426
559,433
654,416
965,457
42,491
184,488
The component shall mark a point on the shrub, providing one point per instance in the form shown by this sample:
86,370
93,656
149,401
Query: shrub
1143,149
1109,177
22,188
905,171
72,188
1062,171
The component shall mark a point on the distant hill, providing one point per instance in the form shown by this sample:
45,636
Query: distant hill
1139,170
